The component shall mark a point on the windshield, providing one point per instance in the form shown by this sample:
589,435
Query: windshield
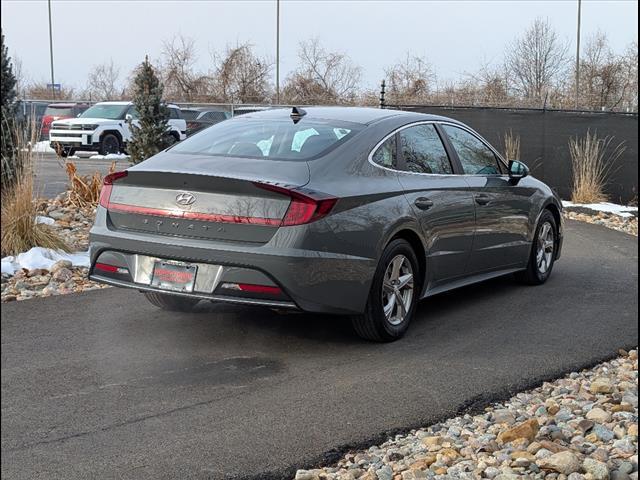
111,112
269,139
59,111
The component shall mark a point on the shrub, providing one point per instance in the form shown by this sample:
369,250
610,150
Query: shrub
592,161
511,146
20,231
84,190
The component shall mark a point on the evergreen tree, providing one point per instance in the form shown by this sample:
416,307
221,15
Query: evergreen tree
10,164
148,135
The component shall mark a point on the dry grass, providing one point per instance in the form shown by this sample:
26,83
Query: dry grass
511,146
84,190
592,161
20,232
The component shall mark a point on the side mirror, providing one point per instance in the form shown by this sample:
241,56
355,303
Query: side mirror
78,115
517,170
128,117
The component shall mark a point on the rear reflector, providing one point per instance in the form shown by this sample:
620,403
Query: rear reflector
304,207
110,268
250,288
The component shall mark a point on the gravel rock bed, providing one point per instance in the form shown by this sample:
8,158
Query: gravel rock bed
616,222
73,225
581,427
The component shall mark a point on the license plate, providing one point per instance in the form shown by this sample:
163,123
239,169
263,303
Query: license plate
176,276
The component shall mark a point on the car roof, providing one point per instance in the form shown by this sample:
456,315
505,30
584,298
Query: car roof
363,115
115,103
65,105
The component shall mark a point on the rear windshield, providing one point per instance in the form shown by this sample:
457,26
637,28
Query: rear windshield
269,139
111,112
58,111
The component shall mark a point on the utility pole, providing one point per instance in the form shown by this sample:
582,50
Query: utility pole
578,55
53,87
278,52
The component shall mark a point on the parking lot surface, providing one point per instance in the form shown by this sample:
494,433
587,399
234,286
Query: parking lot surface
103,385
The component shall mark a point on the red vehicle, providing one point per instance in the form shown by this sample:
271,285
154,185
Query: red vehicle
59,111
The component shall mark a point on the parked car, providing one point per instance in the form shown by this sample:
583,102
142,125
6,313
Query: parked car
59,111
104,128
243,110
354,211
198,118
29,115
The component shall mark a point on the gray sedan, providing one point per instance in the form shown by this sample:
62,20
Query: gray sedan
353,211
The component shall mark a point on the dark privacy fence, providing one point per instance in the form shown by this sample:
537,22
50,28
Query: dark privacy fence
544,141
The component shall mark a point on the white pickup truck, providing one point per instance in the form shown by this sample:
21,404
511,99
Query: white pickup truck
104,128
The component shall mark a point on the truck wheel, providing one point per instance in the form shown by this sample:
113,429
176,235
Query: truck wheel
67,152
109,144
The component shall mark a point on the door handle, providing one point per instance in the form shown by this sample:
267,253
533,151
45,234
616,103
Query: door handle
423,203
482,199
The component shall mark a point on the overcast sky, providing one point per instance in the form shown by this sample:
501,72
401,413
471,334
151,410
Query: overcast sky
455,36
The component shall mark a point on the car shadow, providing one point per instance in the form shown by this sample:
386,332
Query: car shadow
265,325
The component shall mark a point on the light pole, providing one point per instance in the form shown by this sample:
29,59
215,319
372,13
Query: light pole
578,55
53,86
278,52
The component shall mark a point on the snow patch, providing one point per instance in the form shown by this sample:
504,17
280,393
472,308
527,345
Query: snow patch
42,147
45,220
110,156
614,208
39,257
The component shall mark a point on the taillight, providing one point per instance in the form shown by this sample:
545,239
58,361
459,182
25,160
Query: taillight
304,207
107,186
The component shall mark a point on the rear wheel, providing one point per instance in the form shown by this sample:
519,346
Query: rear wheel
110,143
393,296
173,303
543,252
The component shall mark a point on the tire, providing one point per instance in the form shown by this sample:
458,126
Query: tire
172,303
540,264
110,143
67,152
374,324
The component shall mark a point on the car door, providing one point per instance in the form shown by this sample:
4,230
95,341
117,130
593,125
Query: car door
501,239
440,200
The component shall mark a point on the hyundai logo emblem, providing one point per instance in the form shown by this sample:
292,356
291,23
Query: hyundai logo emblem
185,198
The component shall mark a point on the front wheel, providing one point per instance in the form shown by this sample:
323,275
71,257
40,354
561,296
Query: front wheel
173,303
393,296
109,144
543,252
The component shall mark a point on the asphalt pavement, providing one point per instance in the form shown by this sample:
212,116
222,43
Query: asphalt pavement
103,385
51,177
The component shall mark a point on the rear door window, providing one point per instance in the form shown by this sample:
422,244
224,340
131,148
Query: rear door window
476,158
423,151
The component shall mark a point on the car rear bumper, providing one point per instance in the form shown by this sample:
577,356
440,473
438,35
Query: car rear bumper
312,281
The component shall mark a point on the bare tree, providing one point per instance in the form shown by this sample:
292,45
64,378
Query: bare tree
41,91
240,76
602,73
630,65
102,82
536,59
410,80
491,85
181,81
19,73
322,77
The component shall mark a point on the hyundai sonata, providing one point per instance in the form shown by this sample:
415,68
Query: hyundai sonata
354,211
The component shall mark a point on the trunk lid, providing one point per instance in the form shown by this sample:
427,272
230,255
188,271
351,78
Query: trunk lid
205,197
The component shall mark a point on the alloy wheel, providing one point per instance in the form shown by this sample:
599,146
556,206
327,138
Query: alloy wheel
397,289
545,247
